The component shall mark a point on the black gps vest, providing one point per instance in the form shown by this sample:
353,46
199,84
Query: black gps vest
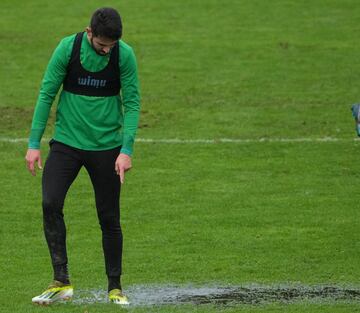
104,83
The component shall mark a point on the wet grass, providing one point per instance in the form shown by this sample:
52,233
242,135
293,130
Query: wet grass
202,222
235,69
252,213
230,296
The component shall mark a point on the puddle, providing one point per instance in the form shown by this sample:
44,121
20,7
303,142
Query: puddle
261,295
231,295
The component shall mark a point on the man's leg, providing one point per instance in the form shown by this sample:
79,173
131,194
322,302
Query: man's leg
101,168
61,168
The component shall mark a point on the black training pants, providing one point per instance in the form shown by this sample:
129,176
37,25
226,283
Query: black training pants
61,168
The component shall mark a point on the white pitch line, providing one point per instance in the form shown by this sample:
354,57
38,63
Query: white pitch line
211,141
242,140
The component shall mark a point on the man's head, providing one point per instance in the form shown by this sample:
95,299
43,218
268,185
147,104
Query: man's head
105,30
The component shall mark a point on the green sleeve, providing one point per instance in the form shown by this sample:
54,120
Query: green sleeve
53,78
130,98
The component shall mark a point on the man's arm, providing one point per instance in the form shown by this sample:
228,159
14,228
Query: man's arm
131,101
130,92
53,78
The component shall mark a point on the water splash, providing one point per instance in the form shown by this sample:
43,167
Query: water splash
148,295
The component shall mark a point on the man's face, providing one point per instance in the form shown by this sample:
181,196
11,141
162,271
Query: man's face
101,45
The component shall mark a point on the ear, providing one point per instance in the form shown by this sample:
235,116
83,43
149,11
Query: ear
88,31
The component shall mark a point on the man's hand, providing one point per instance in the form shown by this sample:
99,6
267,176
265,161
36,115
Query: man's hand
32,156
122,164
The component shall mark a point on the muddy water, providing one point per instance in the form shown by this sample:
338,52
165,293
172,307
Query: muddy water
251,294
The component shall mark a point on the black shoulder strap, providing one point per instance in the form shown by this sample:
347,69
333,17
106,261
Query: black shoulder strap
115,56
75,53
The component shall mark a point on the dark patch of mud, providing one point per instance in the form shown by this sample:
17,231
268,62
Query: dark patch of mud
12,117
18,119
234,295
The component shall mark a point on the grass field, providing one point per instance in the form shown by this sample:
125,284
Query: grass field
235,213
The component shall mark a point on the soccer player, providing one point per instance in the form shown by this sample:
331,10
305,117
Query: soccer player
356,114
95,128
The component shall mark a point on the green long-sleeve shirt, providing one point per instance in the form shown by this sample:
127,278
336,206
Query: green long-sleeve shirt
84,122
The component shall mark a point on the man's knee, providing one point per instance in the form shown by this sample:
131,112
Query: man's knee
109,223
52,205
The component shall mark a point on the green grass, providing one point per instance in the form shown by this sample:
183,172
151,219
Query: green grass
285,217
230,213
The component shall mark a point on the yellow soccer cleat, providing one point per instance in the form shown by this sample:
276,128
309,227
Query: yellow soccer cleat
116,296
55,292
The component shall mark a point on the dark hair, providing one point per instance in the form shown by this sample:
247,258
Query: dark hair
106,22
